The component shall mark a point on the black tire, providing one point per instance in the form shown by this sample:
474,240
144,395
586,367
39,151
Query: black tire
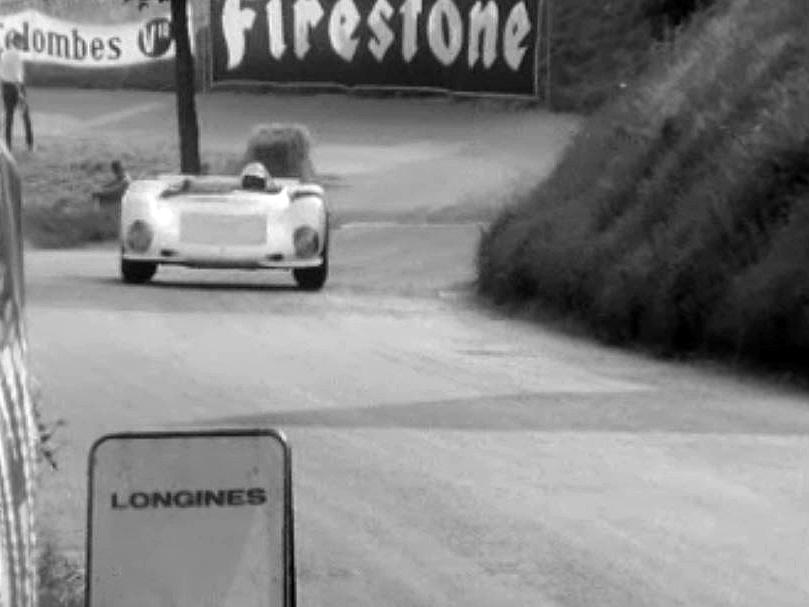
313,279
137,272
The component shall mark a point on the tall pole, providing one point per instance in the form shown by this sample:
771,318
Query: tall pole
184,82
548,13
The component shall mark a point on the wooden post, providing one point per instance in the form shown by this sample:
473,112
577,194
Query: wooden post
548,50
184,81
18,427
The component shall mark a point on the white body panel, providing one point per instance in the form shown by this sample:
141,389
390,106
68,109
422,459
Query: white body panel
215,224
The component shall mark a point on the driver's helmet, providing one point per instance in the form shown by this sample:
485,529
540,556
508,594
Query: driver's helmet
255,176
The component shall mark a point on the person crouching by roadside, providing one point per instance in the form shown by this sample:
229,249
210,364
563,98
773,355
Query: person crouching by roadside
112,192
12,80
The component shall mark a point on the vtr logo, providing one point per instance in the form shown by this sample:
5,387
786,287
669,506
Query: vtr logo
154,38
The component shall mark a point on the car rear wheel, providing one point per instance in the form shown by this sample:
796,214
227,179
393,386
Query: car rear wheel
313,279
137,272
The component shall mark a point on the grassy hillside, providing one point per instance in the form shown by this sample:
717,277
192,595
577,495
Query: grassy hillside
597,46
679,218
594,46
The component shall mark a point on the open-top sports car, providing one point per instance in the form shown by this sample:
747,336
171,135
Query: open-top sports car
249,221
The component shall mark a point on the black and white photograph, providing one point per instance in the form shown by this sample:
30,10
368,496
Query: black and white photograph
404,303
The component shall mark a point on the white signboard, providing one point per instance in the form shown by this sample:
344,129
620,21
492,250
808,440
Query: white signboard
190,520
49,40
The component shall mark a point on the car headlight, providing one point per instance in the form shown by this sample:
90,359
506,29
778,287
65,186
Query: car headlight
164,216
307,241
139,236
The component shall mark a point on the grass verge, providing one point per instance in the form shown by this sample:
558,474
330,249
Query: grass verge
61,578
60,176
58,181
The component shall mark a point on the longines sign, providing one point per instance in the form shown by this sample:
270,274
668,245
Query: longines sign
47,40
472,46
190,519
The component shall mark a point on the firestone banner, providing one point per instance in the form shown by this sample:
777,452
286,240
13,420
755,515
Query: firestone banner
468,46
51,41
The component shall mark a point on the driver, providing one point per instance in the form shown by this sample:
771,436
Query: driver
256,177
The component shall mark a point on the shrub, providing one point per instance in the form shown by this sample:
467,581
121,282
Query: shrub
283,149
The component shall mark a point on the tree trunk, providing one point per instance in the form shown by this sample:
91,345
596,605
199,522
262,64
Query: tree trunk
184,82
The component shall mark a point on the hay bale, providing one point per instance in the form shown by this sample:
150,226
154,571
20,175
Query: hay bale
283,148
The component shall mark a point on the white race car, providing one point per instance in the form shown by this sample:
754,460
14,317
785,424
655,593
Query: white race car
250,221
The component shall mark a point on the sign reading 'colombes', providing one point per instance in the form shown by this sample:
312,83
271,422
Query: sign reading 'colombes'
461,45
51,41
190,520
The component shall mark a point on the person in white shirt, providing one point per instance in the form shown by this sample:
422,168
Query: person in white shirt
12,77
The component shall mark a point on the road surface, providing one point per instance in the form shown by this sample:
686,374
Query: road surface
443,455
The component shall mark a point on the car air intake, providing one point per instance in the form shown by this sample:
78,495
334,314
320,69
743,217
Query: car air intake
223,230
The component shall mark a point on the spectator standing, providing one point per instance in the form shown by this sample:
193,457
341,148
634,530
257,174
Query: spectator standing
113,191
12,77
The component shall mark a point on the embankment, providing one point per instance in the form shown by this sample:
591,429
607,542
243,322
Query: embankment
679,216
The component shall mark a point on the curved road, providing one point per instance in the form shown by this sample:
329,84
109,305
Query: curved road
443,455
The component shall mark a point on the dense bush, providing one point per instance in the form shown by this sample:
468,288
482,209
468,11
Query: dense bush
665,14
284,149
597,47
678,218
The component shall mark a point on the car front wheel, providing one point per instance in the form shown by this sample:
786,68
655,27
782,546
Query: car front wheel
313,279
137,272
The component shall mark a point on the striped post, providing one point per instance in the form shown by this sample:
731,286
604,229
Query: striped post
18,428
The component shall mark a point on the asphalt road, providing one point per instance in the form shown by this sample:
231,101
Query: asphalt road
443,455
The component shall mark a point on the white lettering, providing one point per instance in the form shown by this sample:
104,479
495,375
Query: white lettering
235,22
275,28
342,24
308,14
445,13
518,26
483,22
382,35
481,33
149,39
410,10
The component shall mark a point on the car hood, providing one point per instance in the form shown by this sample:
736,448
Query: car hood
235,203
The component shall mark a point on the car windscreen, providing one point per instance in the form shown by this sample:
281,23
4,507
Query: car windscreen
201,185
209,185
